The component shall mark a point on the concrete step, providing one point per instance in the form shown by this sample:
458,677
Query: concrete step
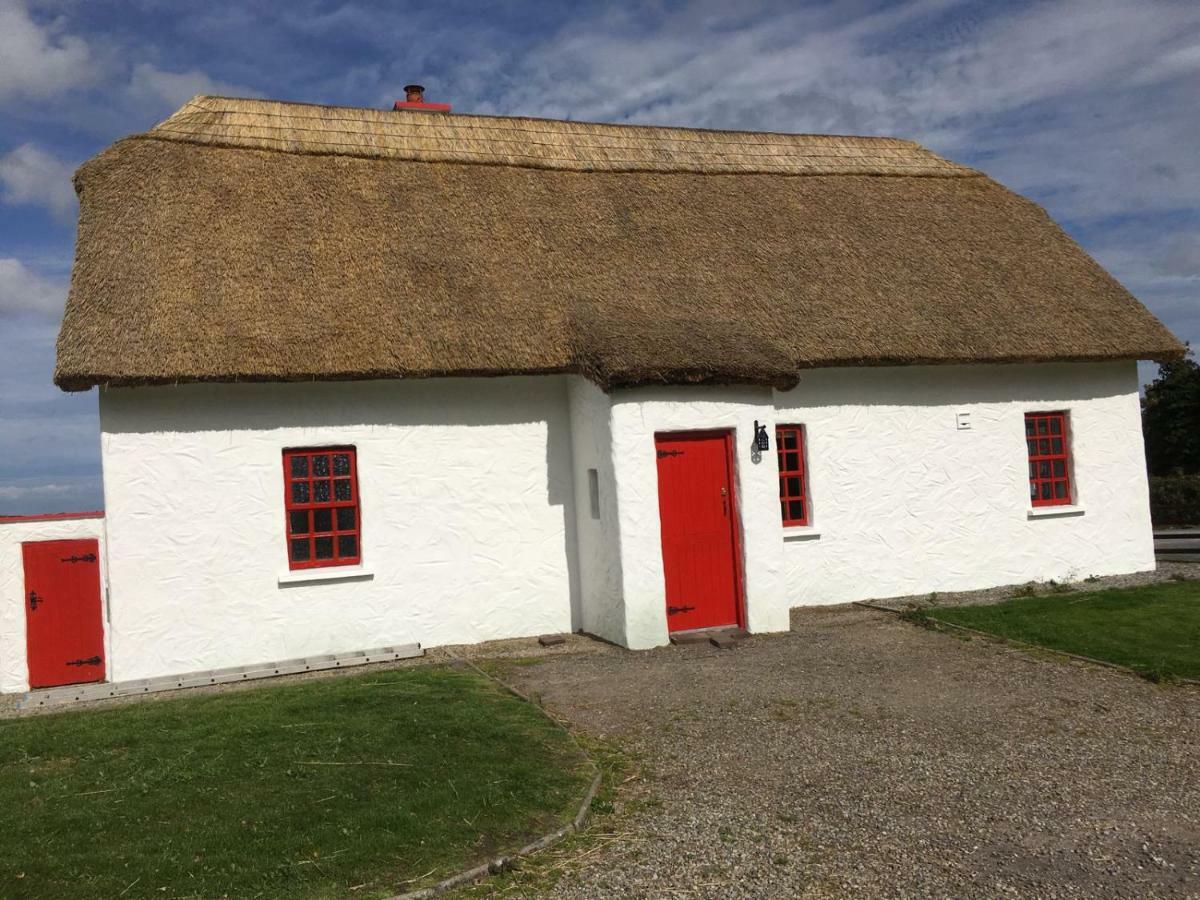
78,693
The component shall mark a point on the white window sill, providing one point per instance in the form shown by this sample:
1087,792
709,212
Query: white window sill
801,533
1054,512
325,573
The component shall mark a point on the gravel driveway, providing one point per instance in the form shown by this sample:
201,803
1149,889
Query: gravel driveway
863,756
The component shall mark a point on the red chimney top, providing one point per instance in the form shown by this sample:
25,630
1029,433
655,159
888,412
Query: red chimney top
414,98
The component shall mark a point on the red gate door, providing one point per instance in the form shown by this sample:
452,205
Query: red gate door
699,529
64,631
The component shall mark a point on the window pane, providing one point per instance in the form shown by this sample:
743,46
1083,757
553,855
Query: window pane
1056,445
300,550
299,491
321,466
783,511
1032,445
1033,490
1033,470
324,547
298,521
299,466
1042,427
320,491
341,489
345,518
1060,468
789,440
793,487
1029,427
1060,490
1043,470
347,545
1045,490
1056,425
791,462
796,510
322,520
1044,447
341,464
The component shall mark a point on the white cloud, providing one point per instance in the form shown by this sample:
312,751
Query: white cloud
27,491
156,89
24,291
1081,102
40,61
31,175
1182,257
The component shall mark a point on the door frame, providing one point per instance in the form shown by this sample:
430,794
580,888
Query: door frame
735,521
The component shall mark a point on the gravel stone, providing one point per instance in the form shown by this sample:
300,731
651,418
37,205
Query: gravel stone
860,755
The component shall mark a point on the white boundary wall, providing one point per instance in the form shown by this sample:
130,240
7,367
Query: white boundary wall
466,503
14,666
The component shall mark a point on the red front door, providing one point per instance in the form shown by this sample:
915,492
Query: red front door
64,631
699,529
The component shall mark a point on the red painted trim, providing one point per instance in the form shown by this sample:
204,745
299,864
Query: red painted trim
800,471
50,517
312,505
1040,444
426,107
739,573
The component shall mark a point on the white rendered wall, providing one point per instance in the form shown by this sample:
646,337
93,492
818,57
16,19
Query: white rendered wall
466,501
601,609
905,503
14,667
637,415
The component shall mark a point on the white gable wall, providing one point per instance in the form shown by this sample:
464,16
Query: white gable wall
904,502
466,502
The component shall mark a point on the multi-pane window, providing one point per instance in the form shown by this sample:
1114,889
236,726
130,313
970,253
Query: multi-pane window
793,479
1049,461
321,497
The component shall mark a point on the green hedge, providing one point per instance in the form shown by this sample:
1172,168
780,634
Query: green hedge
1175,499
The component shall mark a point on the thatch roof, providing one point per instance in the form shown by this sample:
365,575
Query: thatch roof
255,240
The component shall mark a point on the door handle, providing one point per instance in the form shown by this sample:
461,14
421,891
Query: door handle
33,599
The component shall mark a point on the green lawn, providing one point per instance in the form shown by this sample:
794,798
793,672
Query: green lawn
340,787
1153,629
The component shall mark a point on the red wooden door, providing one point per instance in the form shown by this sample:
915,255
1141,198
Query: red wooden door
64,631
699,530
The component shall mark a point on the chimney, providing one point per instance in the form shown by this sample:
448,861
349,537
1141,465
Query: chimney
414,99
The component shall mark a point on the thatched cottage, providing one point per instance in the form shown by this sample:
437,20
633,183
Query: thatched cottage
370,377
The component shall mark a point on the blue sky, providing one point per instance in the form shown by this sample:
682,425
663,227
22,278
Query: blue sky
1088,106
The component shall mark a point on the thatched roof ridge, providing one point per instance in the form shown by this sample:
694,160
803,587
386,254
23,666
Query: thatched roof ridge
537,143
209,250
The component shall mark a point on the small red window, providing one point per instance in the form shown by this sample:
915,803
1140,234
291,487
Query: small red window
793,479
1049,463
321,496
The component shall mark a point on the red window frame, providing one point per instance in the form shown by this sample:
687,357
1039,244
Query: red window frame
793,475
320,490
1049,449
